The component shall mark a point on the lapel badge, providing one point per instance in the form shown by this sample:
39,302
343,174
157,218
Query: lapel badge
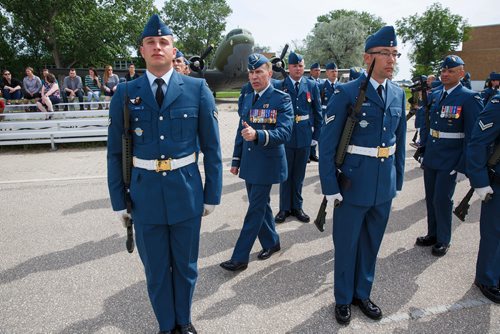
265,106
136,101
138,131
364,123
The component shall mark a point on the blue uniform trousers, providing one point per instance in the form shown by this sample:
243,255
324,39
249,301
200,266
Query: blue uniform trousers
291,188
357,235
259,222
439,189
488,258
170,254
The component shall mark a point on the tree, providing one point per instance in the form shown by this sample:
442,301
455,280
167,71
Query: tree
371,22
78,31
341,40
196,23
434,35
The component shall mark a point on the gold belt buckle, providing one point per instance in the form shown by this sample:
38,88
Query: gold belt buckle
297,118
435,133
382,152
163,165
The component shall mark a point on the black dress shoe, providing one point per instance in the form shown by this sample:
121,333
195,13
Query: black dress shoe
490,292
234,266
343,314
440,249
314,158
186,329
301,215
266,253
426,241
281,216
366,306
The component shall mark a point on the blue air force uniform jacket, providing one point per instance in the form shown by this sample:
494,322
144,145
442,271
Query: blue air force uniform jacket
455,114
326,91
373,180
263,161
485,134
185,124
306,102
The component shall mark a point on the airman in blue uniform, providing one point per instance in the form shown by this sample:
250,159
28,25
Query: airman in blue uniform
466,81
486,182
307,116
172,118
374,164
314,73
327,88
265,125
453,111
355,72
180,62
492,89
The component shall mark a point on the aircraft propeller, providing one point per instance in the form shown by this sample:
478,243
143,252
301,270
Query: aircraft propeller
197,63
279,62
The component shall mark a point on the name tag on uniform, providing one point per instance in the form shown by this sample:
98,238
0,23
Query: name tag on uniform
451,112
263,116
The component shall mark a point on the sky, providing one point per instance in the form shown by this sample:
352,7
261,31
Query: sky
275,23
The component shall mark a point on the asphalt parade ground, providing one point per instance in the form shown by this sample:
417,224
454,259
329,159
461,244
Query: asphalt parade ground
64,268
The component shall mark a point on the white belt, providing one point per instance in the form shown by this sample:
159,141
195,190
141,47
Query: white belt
301,118
164,165
376,152
447,135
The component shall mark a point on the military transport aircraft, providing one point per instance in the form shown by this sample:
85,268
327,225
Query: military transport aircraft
230,63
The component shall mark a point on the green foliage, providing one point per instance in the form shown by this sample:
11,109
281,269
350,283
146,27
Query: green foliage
341,40
340,36
196,23
371,22
74,32
434,35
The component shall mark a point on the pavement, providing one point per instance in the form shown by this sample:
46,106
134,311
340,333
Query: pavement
64,267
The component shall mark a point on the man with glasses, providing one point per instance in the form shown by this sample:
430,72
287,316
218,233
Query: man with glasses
11,87
374,164
453,111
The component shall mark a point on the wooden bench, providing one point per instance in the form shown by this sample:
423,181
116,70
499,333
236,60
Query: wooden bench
20,128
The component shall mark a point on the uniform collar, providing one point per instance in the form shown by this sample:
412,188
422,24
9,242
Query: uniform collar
262,91
375,84
451,89
166,77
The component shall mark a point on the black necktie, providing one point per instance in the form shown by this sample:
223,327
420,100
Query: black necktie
333,86
380,91
443,97
296,86
159,91
255,98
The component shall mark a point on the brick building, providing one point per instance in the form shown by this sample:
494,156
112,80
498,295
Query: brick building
481,53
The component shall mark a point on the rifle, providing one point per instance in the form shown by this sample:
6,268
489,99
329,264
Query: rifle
127,171
463,207
350,123
423,88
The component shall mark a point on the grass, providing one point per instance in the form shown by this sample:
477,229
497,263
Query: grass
228,94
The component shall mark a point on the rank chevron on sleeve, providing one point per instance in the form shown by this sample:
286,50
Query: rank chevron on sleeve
329,119
485,126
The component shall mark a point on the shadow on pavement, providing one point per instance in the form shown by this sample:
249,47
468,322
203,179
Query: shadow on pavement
86,252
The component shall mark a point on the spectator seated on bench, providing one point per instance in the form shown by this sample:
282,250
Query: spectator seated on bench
32,86
110,81
72,88
93,87
11,87
50,94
